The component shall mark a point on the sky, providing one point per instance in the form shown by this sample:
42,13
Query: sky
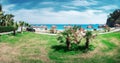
60,11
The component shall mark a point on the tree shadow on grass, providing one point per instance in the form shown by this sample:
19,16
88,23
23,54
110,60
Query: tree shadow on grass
59,48
63,48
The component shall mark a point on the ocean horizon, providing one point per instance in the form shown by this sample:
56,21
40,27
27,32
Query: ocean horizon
61,26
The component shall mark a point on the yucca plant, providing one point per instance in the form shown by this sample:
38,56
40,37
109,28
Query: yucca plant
77,37
70,36
65,37
88,36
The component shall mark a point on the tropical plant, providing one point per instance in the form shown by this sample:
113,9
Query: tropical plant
70,36
77,36
15,25
1,19
7,23
8,19
65,36
88,36
27,24
21,24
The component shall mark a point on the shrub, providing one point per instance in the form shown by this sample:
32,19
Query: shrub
30,29
6,28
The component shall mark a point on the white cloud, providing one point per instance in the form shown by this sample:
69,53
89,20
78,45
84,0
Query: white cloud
82,3
49,16
45,3
43,16
7,8
69,7
109,7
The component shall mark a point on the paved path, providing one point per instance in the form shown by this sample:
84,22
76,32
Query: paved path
6,33
45,33
115,30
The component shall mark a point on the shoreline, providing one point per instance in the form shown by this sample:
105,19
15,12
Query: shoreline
112,30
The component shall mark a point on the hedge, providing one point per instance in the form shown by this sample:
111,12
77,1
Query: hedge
6,28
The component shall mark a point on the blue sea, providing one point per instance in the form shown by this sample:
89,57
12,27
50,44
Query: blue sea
61,26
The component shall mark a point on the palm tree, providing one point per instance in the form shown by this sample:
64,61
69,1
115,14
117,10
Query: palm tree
70,36
88,36
1,17
26,24
21,23
15,25
2,21
65,36
8,19
77,37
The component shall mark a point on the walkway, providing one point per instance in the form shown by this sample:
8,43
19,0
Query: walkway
115,30
6,33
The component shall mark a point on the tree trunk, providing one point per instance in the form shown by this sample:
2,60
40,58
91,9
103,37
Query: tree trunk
87,43
68,43
14,32
21,29
6,23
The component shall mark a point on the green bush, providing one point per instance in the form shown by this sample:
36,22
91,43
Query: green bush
6,28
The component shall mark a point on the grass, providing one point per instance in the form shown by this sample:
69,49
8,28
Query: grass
26,60
110,45
36,48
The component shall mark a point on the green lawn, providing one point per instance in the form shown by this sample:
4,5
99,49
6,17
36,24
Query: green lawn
36,48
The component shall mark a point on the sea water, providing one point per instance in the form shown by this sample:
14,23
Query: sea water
61,26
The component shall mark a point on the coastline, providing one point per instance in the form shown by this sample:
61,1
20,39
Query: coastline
61,26
100,31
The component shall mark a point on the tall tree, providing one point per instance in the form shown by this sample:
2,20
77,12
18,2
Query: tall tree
15,25
1,18
8,18
27,24
113,17
21,23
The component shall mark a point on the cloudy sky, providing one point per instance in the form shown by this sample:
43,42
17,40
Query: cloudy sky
60,11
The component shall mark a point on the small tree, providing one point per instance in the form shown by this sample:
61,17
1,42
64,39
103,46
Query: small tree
21,23
27,25
70,36
88,36
15,25
65,36
106,28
